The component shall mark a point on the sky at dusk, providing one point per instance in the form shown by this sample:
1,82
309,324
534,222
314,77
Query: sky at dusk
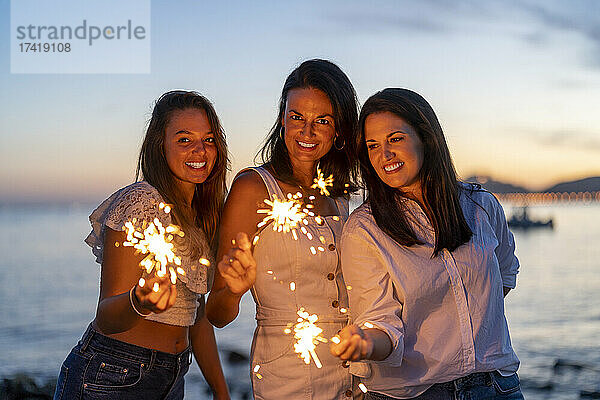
515,84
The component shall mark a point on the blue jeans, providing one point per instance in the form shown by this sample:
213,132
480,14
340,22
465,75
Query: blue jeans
101,367
478,386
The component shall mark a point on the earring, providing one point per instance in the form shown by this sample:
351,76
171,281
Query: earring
281,133
339,148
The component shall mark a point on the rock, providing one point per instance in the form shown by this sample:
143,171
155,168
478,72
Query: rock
233,357
245,395
559,363
589,394
541,386
22,386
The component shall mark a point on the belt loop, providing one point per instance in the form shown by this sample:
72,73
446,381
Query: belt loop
152,359
87,337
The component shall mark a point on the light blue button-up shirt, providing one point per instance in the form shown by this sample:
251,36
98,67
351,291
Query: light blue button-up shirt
444,315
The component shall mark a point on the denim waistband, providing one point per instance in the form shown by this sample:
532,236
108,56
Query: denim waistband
95,340
475,379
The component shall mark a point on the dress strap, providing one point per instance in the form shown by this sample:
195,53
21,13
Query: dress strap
274,191
269,181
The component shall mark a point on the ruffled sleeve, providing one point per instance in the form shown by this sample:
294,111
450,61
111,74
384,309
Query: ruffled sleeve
139,200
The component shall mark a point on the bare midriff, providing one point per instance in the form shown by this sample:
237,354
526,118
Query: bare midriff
154,335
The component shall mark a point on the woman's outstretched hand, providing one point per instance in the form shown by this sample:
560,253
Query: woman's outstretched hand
354,344
148,299
238,267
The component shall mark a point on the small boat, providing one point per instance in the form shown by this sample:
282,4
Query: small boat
521,220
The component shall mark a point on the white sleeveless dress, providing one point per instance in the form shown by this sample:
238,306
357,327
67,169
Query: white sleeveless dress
319,289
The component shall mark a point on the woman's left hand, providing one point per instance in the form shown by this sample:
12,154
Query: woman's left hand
238,267
355,344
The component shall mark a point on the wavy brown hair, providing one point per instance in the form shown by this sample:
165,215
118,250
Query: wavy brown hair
209,197
439,183
331,80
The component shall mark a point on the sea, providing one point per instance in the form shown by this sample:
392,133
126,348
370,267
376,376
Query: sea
49,290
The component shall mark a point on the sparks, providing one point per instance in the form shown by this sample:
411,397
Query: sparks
322,183
156,241
308,336
205,262
286,215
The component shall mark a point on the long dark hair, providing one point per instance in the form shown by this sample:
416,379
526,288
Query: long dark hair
207,203
330,79
439,183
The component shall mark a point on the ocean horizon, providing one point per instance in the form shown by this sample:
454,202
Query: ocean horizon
49,291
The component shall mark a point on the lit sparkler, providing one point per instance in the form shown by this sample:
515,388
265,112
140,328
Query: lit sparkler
291,214
322,183
308,336
256,368
285,214
156,241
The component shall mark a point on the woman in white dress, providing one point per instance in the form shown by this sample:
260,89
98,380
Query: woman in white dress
317,117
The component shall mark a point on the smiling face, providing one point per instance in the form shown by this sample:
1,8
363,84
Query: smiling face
190,147
395,151
308,124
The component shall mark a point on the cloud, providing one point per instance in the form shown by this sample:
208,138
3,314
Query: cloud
372,20
425,16
580,17
572,139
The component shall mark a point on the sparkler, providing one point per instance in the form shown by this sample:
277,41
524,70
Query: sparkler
308,336
322,183
156,241
285,214
362,387
256,368
288,215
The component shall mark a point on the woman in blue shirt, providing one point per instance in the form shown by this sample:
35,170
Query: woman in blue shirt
429,260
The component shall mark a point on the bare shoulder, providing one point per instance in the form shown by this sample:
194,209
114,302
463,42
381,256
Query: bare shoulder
248,187
249,181
246,195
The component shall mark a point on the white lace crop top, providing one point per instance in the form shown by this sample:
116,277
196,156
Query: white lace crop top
140,200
